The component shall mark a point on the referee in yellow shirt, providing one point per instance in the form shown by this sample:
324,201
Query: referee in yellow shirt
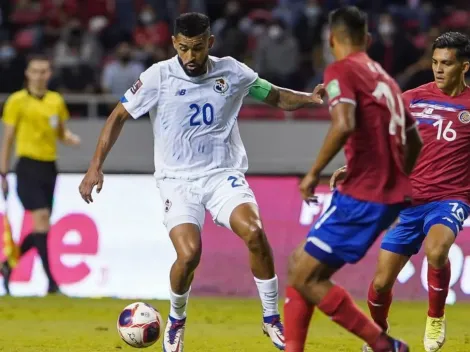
35,117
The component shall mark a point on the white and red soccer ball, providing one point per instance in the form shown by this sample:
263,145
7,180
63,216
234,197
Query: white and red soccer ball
139,325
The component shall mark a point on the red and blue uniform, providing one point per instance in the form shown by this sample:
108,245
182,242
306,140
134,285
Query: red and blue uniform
376,187
441,178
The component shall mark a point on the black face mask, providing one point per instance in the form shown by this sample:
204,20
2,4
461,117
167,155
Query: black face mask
125,58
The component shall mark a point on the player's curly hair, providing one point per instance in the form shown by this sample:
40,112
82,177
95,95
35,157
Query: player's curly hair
192,24
454,40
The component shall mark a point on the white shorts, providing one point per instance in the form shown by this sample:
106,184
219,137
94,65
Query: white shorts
186,201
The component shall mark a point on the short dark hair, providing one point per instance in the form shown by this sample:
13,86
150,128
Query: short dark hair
353,20
192,24
37,57
454,40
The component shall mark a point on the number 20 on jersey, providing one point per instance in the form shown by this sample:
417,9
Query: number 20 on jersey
201,114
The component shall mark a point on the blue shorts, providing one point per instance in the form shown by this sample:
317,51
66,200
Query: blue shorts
349,227
414,223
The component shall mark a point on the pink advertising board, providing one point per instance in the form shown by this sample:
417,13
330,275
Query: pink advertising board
224,268
118,246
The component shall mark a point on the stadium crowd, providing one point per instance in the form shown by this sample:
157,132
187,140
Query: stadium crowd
101,46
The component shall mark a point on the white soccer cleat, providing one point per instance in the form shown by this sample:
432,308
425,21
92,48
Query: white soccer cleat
435,334
173,339
273,328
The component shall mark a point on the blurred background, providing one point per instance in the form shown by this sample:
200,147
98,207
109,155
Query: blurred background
99,47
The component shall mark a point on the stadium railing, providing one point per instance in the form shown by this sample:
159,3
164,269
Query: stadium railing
251,110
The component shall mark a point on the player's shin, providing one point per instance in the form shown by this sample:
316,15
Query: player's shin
379,305
297,315
269,294
339,306
178,304
438,288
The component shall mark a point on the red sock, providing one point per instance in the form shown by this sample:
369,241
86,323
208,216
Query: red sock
379,305
297,315
339,305
438,287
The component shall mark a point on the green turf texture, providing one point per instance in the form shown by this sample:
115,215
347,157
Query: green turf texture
89,325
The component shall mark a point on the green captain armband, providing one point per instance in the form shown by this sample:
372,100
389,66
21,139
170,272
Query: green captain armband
260,89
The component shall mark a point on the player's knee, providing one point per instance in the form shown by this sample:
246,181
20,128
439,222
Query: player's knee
190,258
382,283
41,221
255,238
437,254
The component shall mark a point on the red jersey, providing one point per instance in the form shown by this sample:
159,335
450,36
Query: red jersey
443,168
375,150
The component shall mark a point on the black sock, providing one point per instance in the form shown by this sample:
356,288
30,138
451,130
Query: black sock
28,243
41,245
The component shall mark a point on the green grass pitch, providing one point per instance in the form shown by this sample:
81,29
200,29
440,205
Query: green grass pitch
89,325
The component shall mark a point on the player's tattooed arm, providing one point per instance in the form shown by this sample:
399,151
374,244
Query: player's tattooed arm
283,98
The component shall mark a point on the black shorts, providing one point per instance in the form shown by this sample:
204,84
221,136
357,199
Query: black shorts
35,183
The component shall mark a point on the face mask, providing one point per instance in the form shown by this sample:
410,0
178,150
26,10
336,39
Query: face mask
312,11
125,58
258,30
275,32
386,29
7,53
146,17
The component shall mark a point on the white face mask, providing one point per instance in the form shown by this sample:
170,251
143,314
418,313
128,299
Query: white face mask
7,53
386,29
312,11
275,32
146,17
258,30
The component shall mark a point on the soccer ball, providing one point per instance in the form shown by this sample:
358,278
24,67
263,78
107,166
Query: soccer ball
139,325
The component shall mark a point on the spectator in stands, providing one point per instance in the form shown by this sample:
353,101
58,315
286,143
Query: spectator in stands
231,40
277,57
420,72
392,49
149,31
76,46
308,26
12,66
120,74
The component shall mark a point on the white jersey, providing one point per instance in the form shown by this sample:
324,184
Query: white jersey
194,119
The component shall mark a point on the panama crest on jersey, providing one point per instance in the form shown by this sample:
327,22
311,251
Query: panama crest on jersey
464,116
221,85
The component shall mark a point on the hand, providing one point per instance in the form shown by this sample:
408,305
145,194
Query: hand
94,177
337,176
72,139
4,186
307,187
318,94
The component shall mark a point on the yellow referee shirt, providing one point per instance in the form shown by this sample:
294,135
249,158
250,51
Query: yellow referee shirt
36,121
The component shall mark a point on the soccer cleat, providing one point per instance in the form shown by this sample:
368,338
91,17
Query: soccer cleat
394,346
273,328
367,348
5,270
435,334
174,335
399,346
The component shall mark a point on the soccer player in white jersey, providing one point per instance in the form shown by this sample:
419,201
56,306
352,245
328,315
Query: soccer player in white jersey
193,100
